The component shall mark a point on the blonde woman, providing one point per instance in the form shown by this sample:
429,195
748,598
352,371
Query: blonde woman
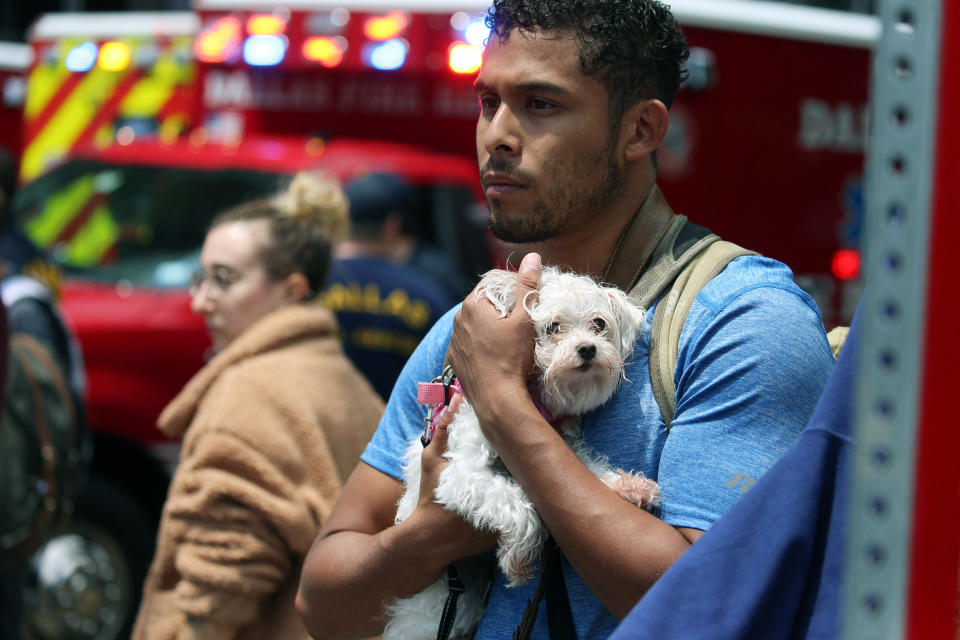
271,426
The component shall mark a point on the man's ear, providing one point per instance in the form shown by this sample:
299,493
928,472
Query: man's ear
297,287
644,127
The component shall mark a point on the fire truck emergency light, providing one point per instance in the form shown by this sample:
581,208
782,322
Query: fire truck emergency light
216,42
114,56
82,57
386,27
474,29
266,24
327,51
264,51
465,58
477,33
386,56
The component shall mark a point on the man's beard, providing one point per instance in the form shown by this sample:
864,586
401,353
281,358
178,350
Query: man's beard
564,209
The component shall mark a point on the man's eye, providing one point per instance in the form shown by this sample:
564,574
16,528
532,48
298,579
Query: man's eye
488,103
599,324
552,328
539,105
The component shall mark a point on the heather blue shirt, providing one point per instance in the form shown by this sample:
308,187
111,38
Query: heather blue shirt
772,567
752,361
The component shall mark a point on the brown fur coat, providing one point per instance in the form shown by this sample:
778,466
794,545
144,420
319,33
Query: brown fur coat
271,428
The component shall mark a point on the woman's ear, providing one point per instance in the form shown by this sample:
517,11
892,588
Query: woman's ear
644,127
297,287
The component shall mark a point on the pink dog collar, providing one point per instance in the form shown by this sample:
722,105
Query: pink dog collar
437,394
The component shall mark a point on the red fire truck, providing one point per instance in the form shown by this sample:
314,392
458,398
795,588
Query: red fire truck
14,60
138,128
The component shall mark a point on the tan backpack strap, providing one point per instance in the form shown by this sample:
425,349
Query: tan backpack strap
639,241
671,314
669,260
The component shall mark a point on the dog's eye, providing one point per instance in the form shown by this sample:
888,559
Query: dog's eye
552,328
599,324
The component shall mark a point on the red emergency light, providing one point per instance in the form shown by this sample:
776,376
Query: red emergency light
845,264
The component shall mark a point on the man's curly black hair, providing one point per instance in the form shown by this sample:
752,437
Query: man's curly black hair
633,47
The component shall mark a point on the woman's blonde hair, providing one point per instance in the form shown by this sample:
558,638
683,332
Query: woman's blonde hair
306,221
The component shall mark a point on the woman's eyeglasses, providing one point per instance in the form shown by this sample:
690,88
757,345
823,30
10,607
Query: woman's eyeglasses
217,281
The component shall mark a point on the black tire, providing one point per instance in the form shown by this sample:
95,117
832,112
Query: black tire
101,559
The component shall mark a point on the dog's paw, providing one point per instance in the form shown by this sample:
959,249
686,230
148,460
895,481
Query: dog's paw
517,559
633,487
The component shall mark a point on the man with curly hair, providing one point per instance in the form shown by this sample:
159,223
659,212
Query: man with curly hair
574,100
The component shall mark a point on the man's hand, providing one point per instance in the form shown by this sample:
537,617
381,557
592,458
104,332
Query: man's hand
493,356
456,532
362,560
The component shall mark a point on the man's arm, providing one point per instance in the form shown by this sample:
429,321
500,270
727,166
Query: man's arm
617,549
361,561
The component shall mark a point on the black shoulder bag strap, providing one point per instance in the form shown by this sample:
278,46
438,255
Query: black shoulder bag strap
551,584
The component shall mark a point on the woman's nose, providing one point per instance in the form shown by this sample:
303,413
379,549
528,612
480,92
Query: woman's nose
200,302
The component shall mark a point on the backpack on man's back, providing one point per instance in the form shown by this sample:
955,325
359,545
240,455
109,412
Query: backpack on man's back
41,445
679,274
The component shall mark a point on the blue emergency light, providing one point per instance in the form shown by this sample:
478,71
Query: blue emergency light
386,56
264,50
477,33
82,57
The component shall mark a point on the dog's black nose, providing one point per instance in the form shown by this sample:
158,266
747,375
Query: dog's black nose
587,351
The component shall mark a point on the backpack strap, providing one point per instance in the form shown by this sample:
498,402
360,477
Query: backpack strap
707,260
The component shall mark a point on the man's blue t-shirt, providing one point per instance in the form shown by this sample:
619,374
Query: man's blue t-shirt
752,361
772,567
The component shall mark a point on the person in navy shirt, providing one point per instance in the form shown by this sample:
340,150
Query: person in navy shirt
384,305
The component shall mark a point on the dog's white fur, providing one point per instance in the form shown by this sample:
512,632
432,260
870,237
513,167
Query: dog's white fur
572,315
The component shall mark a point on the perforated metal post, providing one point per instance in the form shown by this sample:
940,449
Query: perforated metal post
902,548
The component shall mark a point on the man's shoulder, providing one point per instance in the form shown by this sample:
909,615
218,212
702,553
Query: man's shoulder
748,274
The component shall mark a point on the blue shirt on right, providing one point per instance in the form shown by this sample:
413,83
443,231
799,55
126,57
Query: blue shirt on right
752,361
773,567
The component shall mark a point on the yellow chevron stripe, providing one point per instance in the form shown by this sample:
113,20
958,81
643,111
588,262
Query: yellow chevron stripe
146,97
152,92
93,240
77,111
60,210
44,80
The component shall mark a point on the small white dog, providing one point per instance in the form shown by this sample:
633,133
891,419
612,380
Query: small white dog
584,332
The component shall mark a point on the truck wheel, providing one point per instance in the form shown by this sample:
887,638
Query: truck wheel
86,580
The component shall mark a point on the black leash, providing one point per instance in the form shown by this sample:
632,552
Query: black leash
553,586
450,606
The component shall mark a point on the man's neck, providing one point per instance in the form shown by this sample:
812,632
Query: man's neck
588,250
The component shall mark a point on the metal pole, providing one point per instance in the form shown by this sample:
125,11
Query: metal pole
902,548
932,596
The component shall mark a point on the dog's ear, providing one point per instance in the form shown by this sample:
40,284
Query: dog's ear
500,288
629,317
